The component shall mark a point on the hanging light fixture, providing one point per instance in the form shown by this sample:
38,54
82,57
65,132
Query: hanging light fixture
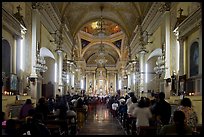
160,64
40,61
101,53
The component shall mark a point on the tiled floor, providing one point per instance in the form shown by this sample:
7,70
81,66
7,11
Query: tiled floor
101,122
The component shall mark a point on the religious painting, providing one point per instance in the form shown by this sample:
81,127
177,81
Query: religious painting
13,82
194,59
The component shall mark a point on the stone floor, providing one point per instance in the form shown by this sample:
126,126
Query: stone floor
101,122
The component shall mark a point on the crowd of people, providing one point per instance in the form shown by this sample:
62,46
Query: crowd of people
141,112
155,112
35,118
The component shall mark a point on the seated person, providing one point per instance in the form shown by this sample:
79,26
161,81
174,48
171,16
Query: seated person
25,108
179,127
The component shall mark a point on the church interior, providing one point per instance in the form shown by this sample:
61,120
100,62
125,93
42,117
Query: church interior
101,49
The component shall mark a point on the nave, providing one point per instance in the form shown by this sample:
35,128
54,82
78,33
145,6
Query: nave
100,121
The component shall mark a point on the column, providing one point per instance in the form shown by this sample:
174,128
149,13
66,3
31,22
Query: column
94,84
142,73
181,57
167,44
200,57
60,63
142,69
116,81
13,70
129,80
107,85
35,91
167,49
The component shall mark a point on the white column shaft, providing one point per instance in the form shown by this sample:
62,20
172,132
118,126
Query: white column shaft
167,44
142,70
35,38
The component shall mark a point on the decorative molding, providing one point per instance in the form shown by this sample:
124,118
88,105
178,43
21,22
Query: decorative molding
150,23
52,21
153,18
12,24
191,23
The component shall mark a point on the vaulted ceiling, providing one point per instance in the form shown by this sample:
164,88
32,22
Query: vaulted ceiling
123,16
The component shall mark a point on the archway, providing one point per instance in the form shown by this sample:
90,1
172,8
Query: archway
6,65
48,82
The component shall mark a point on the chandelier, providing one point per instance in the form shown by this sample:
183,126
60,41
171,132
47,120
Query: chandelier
40,61
101,53
160,64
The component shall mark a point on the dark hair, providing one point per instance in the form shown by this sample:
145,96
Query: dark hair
41,100
142,103
28,101
131,94
10,127
134,99
2,116
186,102
179,118
147,102
161,95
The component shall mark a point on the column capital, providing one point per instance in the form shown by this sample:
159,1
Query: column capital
37,5
59,50
181,40
165,7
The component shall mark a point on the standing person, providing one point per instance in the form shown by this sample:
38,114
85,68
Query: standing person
190,114
25,109
142,114
161,110
179,126
132,106
129,100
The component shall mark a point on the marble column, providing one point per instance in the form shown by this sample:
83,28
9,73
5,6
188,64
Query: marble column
35,90
181,57
142,89
167,44
94,90
14,56
60,90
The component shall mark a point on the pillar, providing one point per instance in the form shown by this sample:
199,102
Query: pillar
167,49
142,73
35,83
13,70
94,90
181,57
167,44
60,90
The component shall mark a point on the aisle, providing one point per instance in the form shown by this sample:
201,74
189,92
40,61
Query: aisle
101,122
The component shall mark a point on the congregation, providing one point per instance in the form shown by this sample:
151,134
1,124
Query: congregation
65,115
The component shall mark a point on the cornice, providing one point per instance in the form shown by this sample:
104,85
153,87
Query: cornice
191,23
12,24
52,17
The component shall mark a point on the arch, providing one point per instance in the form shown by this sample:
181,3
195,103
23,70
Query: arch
6,57
94,43
45,52
156,52
80,26
194,58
